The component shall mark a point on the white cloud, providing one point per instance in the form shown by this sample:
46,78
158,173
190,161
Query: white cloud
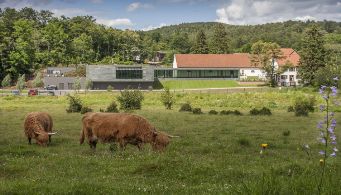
305,18
264,11
115,22
137,5
151,27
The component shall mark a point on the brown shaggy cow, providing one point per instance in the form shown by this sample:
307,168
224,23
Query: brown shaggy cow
122,128
38,125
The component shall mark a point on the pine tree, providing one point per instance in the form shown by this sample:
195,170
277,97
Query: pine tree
200,46
312,55
219,40
21,82
6,82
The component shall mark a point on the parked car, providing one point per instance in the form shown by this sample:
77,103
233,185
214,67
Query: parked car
51,87
15,92
33,92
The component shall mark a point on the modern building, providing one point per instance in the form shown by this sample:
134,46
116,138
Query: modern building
55,76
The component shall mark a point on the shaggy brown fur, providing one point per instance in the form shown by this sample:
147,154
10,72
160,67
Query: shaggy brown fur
38,125
122,128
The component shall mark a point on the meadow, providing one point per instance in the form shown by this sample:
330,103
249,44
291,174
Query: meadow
215,154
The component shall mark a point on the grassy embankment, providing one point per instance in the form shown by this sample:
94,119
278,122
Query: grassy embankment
215,154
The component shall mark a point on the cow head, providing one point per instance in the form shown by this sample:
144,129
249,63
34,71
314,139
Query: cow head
160,142
43,137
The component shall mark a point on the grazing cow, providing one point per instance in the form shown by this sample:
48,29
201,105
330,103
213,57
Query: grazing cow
122,128
38,125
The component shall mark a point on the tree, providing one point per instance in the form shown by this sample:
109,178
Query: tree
77,84
21,82
88,84
38,82
200,46
180,42
167,98
219,40
312,55
263,55
82,48
6,82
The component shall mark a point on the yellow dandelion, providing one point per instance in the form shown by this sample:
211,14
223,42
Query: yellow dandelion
321,161
264,145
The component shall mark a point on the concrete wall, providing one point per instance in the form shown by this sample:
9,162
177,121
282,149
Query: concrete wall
63,81
122,85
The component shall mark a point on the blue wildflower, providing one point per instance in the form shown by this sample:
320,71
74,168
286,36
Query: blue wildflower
335,149
333,154
322,152
336,78
333,142
331,130
333,137
319,125
322,107
334,91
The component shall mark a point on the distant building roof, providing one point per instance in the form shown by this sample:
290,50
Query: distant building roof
290,55
237,60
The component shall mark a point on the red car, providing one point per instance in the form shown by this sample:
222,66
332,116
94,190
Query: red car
33,92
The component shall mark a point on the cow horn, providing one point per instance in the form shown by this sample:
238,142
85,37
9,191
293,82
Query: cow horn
50,133
37,132
172,136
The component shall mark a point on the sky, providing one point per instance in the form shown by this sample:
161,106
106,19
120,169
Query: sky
151,14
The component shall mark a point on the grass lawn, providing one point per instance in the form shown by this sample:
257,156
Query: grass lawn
195,84
215,154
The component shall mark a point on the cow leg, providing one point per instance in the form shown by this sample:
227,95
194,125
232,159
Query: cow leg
122,144
140,146
50,138
29,140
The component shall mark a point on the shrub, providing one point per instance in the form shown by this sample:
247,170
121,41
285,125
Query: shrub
291,109
130,99
186,107
244,142
286,133
112,107
6,82
85,109
101,110
167,98
227,112
75,104
77,84
109,88
38,82
212,112
304,105
263,111
21,82
197,111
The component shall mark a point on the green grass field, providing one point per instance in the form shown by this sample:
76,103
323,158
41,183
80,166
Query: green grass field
196,84
214,154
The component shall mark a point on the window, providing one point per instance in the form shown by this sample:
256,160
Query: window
284,77
291,69
70,85
252,71
61,86
129,73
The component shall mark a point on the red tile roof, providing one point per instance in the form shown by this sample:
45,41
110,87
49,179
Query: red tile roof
237,60
289,55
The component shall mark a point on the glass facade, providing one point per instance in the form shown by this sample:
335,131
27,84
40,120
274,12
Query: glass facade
129,73
196,73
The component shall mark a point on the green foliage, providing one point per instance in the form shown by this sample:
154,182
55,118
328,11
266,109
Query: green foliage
77,84
6,82
38,81
167,98
110,88
304,105
75,104
200,46
312,54
130,99
112,107
197,111
85,109
286,133
219,43
262,111
263,55
213,112
21,83
88,84
244,142
186,107
227,112
291,109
